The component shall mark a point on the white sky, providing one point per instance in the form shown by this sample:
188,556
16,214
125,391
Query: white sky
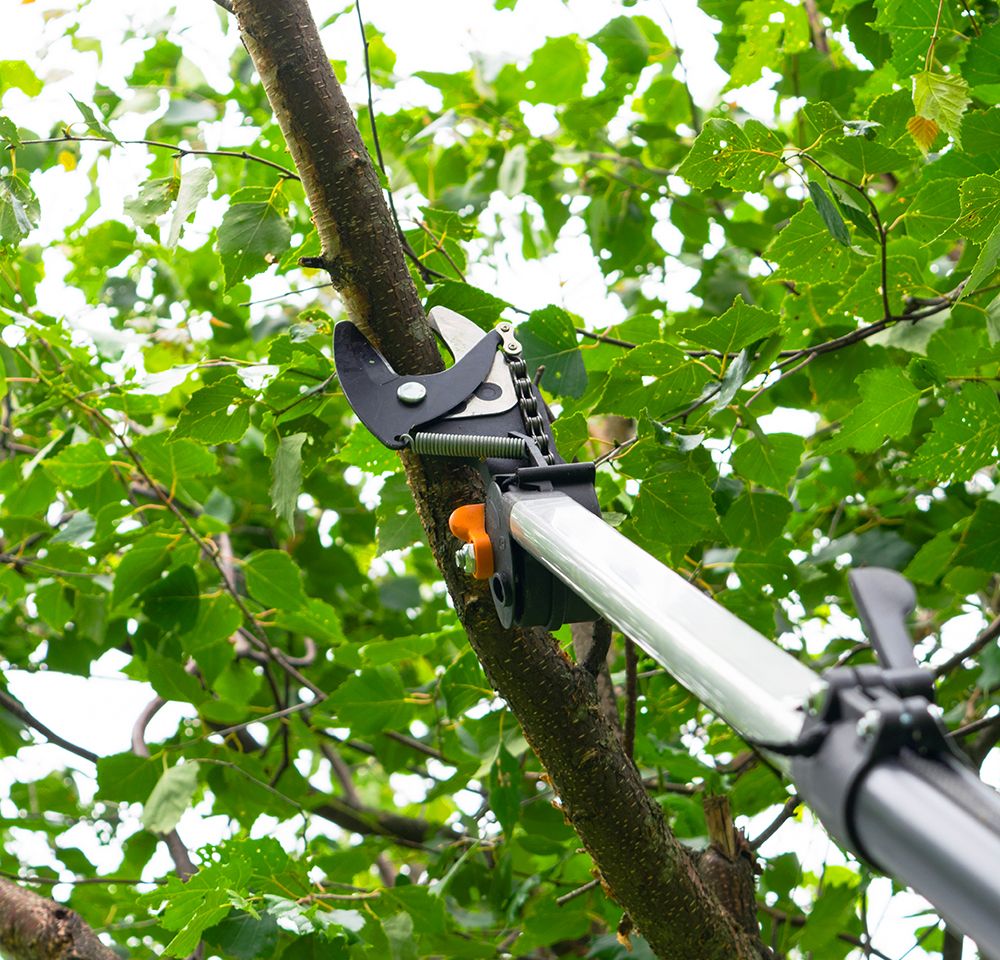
427,35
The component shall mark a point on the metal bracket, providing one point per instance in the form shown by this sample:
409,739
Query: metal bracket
870,712
525,593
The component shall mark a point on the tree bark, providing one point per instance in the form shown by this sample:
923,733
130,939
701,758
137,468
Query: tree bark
645,867
36,928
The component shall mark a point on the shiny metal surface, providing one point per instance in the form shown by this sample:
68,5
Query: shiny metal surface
915,831
749,681
460,335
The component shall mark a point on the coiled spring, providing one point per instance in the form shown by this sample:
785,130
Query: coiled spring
476,446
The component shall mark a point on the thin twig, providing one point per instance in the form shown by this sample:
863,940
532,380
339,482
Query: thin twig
14,707
578,892
162,145
989,634
287,293
795,920
226,5
426,274
77,881
983,723
787,812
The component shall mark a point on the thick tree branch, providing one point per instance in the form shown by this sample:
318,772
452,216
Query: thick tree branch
36,928
601,792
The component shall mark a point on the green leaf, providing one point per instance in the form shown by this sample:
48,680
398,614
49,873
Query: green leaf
218,413
980,197
981,66
170,798
79,465
17,74
371,702
8,132
398,525
274,580
193,189
463,685
513,172
911,24
19,210
173,462
674,509
986,263
982,131
980,545
934,209
155,199
962,439
771,30
173,600
829,214
623,43
737,328
737,157
141,566
770,460
244,937
505,790
548,337
81,527
253,234
942,98
362,450
480,307
888,404
557,72
756,519
806,252
629,391
93,122
286,476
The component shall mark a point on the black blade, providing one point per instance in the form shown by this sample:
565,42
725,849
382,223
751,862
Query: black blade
370,384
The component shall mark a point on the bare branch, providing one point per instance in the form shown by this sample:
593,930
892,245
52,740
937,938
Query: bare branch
14,707
987,636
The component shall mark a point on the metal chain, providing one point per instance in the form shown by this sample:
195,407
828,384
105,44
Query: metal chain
527,400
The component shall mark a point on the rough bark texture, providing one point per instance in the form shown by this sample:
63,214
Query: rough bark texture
36,928
648,871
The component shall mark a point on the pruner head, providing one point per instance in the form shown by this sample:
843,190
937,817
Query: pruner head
393,406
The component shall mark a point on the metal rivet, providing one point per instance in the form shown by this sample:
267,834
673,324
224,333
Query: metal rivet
411,392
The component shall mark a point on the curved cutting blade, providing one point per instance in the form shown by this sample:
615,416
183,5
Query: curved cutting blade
371,385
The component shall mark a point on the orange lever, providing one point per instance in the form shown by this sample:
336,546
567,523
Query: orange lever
468,523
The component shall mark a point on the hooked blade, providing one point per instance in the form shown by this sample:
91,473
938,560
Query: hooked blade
371,385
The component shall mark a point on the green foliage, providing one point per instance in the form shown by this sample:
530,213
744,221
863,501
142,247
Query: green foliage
183,488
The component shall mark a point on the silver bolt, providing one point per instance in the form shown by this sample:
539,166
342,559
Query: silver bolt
411,392
868,725
465,559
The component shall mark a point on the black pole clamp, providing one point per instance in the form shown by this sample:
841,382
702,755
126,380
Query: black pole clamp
862,715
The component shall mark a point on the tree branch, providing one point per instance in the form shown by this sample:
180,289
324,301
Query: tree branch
644,865
13,706
987,636
36,928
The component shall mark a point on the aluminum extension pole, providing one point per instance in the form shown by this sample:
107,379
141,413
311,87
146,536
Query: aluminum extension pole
912,821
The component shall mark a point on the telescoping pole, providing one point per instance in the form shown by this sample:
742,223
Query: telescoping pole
930,823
